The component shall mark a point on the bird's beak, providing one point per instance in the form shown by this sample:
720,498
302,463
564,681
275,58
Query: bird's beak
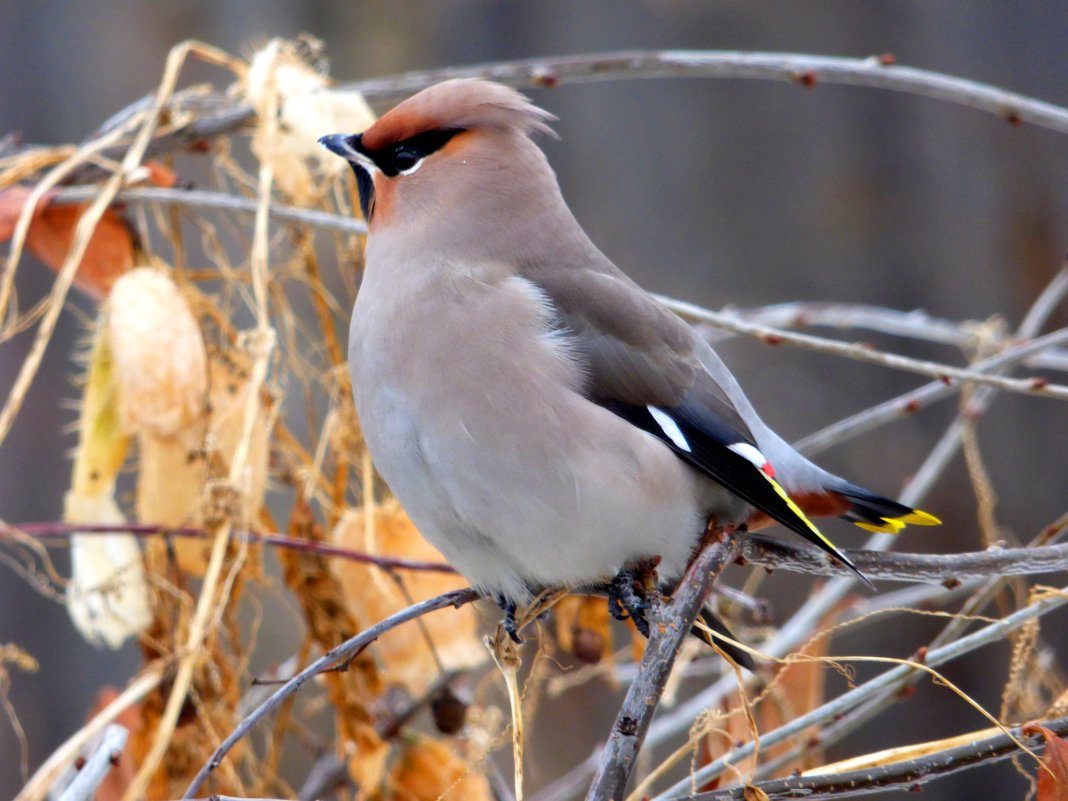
345,145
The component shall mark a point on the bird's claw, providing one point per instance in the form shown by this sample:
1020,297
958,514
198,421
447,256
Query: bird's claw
625,601
509,624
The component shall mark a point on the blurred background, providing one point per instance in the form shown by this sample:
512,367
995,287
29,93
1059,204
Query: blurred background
715,191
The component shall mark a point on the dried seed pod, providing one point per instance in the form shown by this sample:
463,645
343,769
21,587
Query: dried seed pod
306,108
160,362
108,596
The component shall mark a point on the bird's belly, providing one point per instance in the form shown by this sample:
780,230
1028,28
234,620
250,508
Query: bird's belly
481,430
516,508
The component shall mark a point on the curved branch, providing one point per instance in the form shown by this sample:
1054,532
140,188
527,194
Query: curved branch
913,772
198,198
914,400
862,692
57,530
349,648
773,553
946,374
806,70
669,624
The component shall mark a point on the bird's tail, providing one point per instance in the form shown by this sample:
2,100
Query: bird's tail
873,512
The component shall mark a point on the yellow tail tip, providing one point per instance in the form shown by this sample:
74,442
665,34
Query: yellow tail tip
918,518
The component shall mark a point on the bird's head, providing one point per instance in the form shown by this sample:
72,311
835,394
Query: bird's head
463,138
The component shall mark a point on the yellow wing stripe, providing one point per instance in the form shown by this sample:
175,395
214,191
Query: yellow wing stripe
797,511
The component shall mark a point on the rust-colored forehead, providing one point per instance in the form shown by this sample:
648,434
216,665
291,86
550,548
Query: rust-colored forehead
455,104
399,124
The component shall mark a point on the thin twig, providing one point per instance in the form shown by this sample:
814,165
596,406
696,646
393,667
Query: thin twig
828,711
914,400
774,553
914,324
669,624
98,765
913,772
805,70
38,785
725,321
861,352
61,530
202,199
327,661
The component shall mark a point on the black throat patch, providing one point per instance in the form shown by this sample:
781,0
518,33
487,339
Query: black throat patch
365,185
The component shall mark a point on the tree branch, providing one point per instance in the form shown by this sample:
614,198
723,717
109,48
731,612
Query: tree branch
914,772
339,654
97,767
669,624
890,678
914,400
60,530
911,324
805,70
943,372
773,553
202,199
224,117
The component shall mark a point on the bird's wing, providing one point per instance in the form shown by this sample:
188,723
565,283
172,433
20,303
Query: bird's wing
642,364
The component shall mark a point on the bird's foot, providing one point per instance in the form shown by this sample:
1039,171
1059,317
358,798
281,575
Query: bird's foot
510,625
625,601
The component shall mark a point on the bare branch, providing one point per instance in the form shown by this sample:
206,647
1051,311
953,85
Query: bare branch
913,401
773,553
891,678
669,624
199,198
874,72
913,772
805,70
913,324
861,352
97,767
329,660
60,530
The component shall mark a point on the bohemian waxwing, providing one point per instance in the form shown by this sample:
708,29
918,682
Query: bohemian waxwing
544,420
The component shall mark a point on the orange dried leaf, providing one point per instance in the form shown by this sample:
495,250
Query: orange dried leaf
111,248
430,770
1053,773
372,596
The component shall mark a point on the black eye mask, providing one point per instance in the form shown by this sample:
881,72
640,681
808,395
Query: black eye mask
394,160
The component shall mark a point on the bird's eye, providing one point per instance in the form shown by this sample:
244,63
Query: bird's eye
404,159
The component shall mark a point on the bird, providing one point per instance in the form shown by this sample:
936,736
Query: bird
544,421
